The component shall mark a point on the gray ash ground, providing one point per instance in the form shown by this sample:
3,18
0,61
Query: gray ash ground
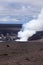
21,53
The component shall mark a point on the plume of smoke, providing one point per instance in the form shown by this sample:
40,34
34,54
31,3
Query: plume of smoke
31,28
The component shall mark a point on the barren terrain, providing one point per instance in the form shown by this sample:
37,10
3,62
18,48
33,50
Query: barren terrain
21,53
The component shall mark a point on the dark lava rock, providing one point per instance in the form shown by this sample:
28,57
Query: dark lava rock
36,36
7,45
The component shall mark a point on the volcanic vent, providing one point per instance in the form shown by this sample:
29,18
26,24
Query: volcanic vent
30,28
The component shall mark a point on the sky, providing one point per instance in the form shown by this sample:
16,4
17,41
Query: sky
19,11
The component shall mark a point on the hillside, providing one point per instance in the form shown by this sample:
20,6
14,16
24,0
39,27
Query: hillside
37,36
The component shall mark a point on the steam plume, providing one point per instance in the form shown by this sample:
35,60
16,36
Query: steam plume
31,28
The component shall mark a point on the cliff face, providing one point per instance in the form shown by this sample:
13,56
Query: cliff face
37,36
14,28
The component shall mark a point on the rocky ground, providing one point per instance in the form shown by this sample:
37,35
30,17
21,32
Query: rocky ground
21,53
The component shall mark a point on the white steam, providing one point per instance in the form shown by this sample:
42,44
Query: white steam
31,28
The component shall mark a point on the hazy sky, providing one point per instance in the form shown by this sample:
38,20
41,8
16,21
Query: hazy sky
19,11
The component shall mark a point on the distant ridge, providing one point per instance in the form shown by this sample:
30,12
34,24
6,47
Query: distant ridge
8,28
10,25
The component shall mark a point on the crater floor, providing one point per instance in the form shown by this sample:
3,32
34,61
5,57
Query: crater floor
21,53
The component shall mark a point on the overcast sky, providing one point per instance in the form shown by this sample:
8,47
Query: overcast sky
19,11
